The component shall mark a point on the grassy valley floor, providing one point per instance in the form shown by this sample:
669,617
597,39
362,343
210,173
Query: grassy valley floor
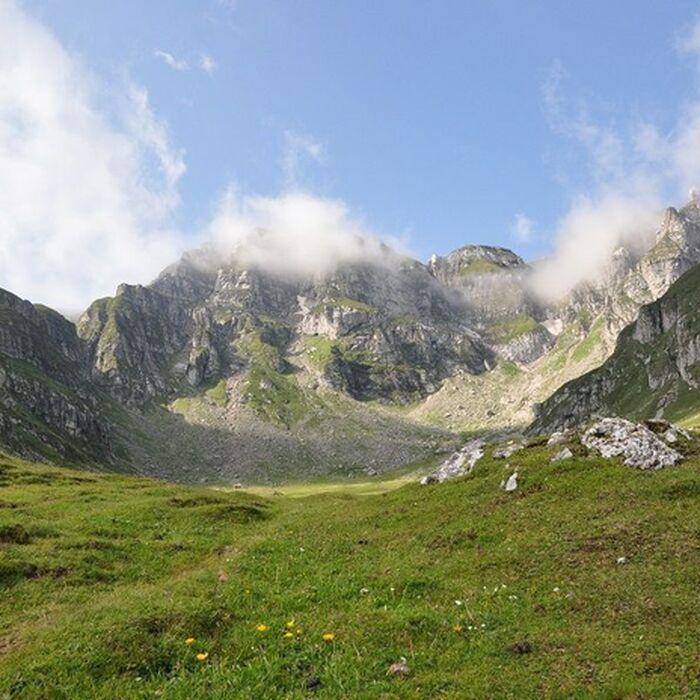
105,579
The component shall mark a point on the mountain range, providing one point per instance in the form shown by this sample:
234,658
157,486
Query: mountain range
224,371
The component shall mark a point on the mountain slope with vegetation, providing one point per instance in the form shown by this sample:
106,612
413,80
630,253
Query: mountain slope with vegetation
222,370
47,406
654,371
585,578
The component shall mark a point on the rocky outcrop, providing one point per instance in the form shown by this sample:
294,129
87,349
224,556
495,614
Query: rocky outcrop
460,264
653,372
511,483
492,283
461,463
46,402
520,339
506,451
394,332
135,338
633,280
635,444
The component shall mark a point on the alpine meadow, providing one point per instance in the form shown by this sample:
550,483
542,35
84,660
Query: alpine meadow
349,350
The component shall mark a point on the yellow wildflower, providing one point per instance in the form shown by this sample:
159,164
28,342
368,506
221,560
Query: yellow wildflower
328,636
289,635
262,628
290,624
202,656
189,641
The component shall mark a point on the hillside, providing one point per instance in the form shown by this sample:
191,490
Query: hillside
47,406
585,327
107,578
226,370
654,371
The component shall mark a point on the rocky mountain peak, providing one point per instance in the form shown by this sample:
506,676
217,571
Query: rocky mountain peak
472,260
233,341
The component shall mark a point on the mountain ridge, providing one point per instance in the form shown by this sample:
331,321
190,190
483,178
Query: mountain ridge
653,372
379,362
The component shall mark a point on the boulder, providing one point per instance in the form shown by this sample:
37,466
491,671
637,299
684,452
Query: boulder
558,437
505,451
634,443
459,464
511,483
566,453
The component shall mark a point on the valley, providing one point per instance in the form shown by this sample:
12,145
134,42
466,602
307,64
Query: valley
482,592
225,372
349,350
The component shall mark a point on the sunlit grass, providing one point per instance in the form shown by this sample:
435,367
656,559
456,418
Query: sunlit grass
118,587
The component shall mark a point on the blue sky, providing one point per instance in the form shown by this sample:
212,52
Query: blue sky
433,121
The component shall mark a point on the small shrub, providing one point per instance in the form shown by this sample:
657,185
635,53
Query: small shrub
14,534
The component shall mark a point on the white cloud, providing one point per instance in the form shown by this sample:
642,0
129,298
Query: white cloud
634,169
604,146
153,135
523,228
299,149
589,234
295,233
171,61
86,199
689,40
207,63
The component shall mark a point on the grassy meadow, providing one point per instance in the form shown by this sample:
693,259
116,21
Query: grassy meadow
583,583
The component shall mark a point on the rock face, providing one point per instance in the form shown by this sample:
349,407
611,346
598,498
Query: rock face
461,463
144,339
219,370
46,403
390,330
508,450
653,372
493,284
636,445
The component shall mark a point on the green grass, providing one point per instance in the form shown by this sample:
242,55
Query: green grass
479,267
270,388
506,331
218,393
323,351
103,578
351,484
319,350
343,302
591,343
359,488
691,420
275,396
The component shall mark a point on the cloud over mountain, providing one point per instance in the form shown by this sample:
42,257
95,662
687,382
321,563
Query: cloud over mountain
89,182
634,171
294,233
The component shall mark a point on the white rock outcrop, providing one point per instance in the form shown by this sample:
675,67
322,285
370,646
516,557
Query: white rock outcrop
635,444
459,464
511,483
505,451
558,437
